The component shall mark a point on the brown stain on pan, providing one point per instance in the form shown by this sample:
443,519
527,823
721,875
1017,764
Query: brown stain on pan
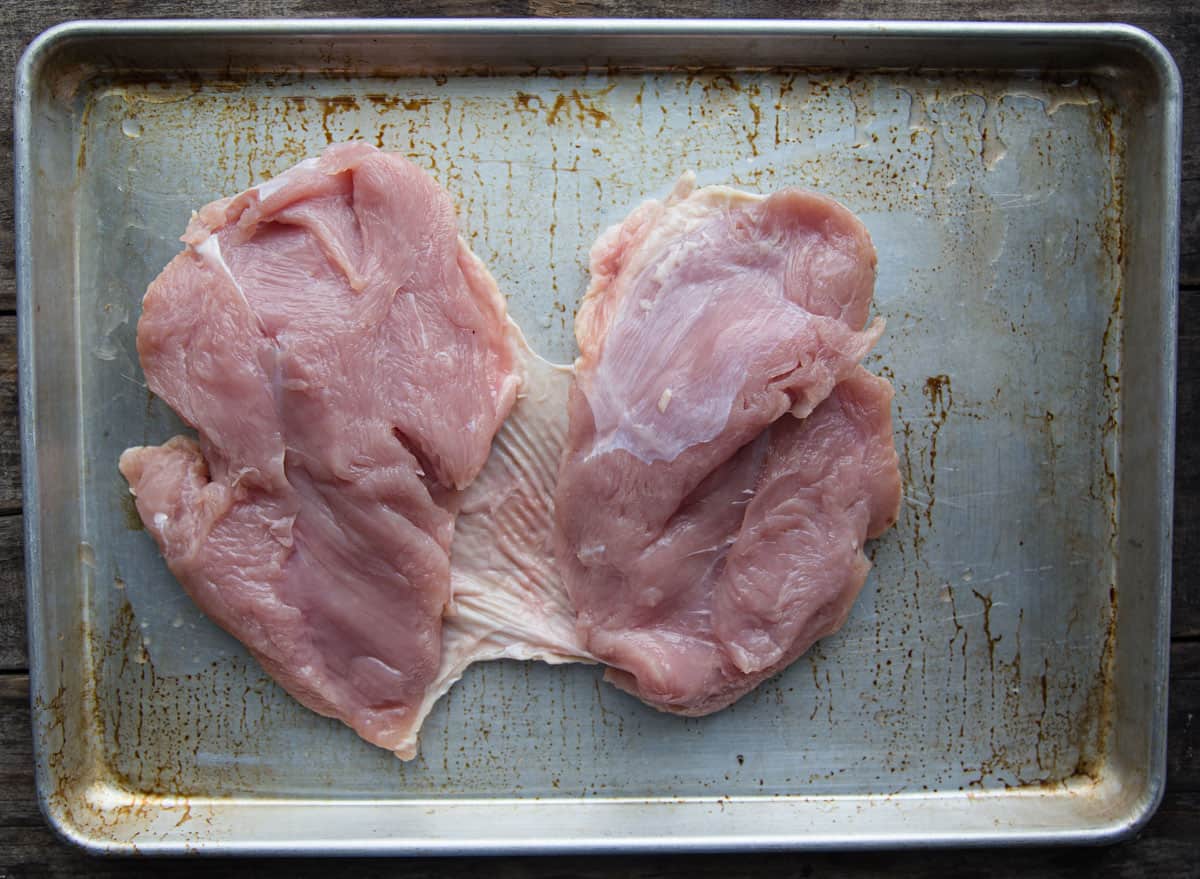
580,105
79,764
940,396
331,107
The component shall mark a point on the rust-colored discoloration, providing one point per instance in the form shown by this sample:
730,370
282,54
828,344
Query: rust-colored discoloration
752,130
939,401
582,106
331,107
938,392
992,640
527,102
383,101
1095,722
81,153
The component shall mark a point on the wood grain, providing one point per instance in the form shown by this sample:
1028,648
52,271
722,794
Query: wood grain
1169,846
13,656
1185,613
10,436
1183,733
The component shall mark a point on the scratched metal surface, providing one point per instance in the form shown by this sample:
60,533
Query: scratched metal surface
979,657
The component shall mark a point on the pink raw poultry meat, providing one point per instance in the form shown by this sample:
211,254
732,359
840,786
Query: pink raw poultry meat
347,362
827,484
711,509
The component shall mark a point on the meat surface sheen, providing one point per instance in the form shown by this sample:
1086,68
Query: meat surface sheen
709,520
346,361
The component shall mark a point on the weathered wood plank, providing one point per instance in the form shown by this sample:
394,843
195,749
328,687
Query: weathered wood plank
1183,723
1185,613
10,437
1189,219
13,656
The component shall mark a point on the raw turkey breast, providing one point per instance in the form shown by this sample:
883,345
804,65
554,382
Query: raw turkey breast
726,455
346,361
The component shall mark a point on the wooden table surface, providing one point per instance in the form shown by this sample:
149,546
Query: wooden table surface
1168,846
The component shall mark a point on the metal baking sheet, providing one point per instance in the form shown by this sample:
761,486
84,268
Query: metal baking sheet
1003,676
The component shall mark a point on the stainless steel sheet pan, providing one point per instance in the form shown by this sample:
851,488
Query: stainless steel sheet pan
1003,676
